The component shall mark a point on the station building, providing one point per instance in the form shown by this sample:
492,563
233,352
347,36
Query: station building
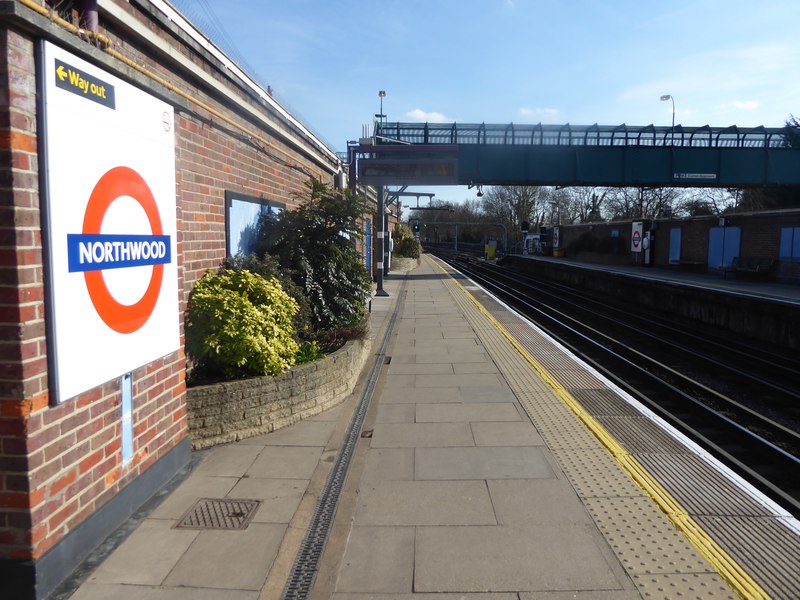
128,139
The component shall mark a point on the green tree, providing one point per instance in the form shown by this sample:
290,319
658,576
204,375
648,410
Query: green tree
315,244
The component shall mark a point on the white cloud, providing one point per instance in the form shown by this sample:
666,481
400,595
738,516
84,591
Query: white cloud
551,115
740,105
420,116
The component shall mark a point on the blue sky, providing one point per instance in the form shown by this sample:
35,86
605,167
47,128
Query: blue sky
725,62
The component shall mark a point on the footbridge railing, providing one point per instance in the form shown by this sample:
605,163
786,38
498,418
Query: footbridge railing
586,135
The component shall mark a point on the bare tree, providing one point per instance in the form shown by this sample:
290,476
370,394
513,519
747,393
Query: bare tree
514,205
583,204
640,203
708,201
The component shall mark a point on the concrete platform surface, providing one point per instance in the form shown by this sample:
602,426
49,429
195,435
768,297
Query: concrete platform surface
452,491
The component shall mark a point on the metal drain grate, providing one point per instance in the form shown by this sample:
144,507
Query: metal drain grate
219,513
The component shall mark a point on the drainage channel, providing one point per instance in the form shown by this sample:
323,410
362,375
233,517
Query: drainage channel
306,565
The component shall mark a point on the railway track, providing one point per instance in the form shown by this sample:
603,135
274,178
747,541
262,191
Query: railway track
740,402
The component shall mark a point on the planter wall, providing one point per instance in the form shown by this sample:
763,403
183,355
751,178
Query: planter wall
235,410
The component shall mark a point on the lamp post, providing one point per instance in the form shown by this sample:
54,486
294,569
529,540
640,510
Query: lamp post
664,98
381,95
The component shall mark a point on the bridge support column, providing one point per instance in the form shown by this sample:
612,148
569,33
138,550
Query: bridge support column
380,242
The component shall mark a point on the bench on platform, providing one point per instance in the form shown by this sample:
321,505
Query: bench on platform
752,265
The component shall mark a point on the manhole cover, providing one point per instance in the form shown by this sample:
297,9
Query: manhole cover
219,513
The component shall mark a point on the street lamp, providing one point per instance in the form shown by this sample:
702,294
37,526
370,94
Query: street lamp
381,95
664,98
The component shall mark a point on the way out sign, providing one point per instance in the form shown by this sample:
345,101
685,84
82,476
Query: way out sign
110,224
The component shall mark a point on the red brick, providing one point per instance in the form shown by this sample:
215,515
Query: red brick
91,461
62,482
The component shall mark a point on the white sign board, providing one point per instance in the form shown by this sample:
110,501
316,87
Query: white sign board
111,224
636,236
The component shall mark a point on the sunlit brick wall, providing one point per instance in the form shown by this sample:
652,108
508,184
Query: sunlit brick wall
59,464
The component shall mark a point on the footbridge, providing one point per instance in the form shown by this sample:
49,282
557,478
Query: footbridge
570,155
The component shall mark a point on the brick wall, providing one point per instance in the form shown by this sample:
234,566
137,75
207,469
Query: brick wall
60,464
57,464
760,237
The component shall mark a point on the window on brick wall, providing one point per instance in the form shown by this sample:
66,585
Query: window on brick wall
242,216
790,244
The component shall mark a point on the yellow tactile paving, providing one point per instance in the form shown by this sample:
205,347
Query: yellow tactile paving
523,374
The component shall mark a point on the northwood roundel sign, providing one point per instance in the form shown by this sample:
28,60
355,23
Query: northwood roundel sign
93,252
111,216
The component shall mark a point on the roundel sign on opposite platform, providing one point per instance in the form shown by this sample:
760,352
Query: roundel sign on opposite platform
111,225
636,236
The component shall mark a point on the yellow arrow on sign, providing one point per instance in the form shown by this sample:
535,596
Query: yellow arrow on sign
61,72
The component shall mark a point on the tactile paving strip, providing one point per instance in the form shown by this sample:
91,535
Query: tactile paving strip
705,586
594,473
642,538
219,513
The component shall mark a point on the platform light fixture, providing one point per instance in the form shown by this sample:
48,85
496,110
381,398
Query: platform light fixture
381,95
664,98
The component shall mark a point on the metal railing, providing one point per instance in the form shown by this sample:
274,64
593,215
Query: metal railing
586,135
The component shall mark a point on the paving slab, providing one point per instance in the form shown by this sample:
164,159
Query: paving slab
194,487
472,412
454,559
420,369
279,497
582,595
510,433
394,503
238,560
421,435
147,556
480,393
463,380
396,413
304,433
454,355
91,591
443,394
286,462
484,367
389,464
534,502
346,596
232,460
378,560
488,462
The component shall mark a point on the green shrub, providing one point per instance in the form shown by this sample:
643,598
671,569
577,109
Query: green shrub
308,352
407,247
268,266
239,324
315,245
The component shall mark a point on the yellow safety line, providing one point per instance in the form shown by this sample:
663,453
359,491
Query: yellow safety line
723,564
